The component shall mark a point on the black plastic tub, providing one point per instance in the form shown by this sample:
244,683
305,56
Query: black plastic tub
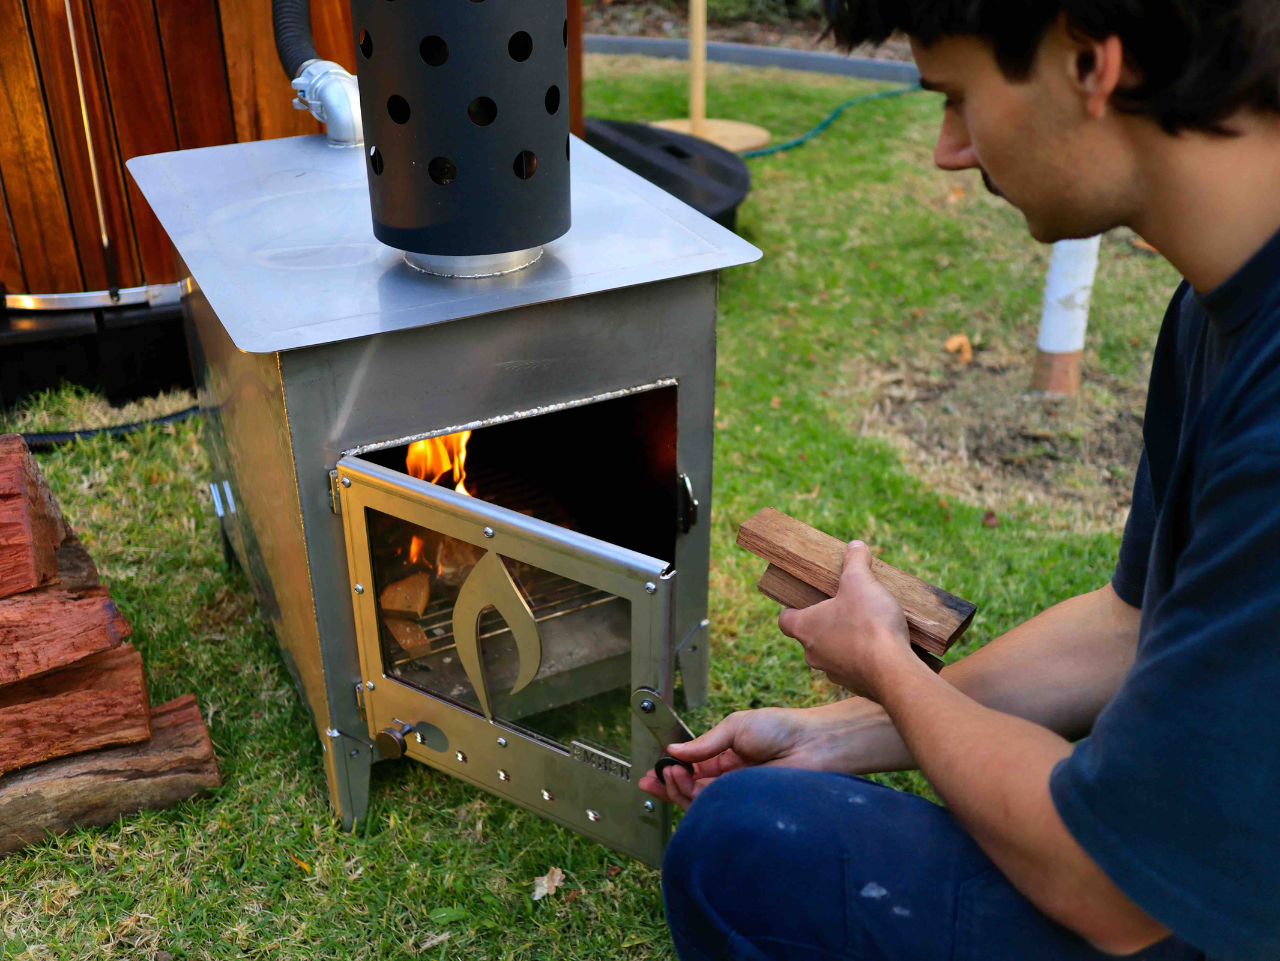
708,178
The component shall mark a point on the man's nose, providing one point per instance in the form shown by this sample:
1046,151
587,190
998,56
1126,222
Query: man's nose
954,151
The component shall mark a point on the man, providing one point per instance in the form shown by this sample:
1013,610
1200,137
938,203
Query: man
1154,835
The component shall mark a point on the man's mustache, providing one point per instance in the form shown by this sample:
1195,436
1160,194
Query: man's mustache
991,185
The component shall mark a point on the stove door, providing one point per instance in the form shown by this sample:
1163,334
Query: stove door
503,649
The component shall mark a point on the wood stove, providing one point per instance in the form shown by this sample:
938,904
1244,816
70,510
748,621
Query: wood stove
476,511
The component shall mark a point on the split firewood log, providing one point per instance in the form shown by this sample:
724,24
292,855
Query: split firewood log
31,524
805,566
97,788
96,702
408,597
51,627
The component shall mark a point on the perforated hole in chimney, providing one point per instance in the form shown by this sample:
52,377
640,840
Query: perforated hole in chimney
375,160
442,171
365,43
552,99
520,46
482,111
526,164
398,108
434,51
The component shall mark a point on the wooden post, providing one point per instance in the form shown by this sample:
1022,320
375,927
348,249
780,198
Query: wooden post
698,67
573,40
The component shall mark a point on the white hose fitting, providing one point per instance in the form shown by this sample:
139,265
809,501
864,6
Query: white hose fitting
1065,316
333,97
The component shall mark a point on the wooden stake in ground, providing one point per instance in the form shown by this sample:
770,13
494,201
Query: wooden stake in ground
93,789
97,702
31,525
805,566
732,135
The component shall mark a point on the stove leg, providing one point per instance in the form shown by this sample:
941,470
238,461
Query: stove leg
347,765
695,664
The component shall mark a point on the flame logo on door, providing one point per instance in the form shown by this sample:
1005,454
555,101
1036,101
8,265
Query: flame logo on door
490,584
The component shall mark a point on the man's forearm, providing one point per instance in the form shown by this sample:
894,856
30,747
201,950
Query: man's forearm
1057,670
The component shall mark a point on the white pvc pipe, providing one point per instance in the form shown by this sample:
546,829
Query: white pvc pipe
1067,290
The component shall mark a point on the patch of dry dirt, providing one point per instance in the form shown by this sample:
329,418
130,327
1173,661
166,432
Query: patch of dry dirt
975,432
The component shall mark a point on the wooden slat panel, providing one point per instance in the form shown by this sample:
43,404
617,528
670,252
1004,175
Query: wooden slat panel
260,94
10,262
192,41
574,41
52,38
37,206
332,32
134,65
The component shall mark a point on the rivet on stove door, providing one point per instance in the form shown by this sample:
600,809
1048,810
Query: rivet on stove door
651,588
488,532
502,742
547,795
462,758
648,706
359,588
648,806
593,816
503,775
346,482
368,685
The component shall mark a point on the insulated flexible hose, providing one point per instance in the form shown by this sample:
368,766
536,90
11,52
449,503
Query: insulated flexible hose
291,20
46,441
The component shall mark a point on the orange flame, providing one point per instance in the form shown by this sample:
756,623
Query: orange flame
431,459
416,549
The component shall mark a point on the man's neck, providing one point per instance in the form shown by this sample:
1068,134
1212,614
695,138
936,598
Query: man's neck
1211,201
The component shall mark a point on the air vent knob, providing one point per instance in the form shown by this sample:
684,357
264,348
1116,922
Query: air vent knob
390,740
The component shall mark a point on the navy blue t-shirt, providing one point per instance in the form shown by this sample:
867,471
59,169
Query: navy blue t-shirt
1176,790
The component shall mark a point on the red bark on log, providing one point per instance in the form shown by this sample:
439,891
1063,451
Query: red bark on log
49,628
96,788
97,702
31,525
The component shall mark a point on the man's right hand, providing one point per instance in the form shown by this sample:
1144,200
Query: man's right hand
851,736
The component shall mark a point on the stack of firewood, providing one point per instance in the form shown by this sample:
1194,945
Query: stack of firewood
70,684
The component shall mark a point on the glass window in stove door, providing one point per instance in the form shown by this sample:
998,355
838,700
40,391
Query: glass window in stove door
507,640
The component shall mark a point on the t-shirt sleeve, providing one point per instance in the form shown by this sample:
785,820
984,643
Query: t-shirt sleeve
1135,549
1174,792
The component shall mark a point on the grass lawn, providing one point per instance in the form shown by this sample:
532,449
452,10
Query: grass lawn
870,258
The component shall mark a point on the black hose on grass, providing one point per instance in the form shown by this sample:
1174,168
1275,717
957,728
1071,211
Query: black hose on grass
56,439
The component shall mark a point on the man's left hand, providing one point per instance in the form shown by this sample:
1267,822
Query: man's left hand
857,637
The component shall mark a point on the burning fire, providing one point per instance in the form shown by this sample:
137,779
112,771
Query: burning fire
416,549
431,459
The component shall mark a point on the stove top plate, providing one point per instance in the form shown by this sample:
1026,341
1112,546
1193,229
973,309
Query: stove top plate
279,238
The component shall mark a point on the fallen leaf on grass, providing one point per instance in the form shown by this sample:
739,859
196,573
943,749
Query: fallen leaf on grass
959,345
990,519
613,870
811,495
775,402
572,895
955,195
299,862
547,884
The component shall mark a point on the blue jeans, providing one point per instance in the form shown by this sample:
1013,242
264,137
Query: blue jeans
779,863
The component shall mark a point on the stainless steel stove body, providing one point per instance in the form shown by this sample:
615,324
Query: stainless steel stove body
492,634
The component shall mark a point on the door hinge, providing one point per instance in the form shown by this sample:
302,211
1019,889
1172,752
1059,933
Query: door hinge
688,504
335,495
364,716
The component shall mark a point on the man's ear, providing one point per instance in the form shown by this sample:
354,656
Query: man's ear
1095,70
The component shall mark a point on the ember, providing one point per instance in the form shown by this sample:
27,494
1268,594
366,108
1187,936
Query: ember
434,457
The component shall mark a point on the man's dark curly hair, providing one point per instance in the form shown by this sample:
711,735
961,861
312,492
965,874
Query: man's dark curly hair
1199,60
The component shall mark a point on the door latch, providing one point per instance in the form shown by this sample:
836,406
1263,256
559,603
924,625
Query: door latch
664,724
